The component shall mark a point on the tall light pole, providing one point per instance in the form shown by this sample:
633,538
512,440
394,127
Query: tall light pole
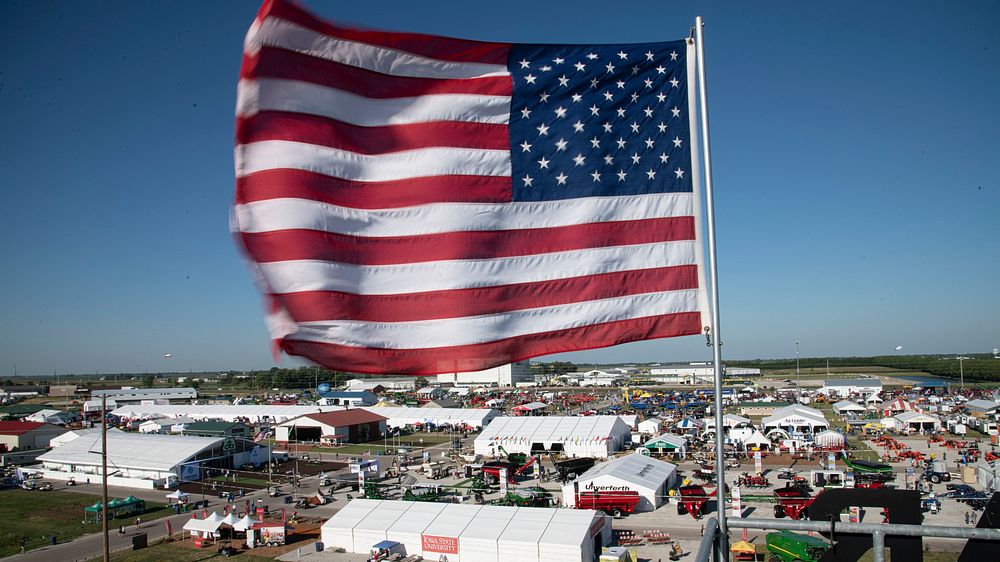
798,375
961,370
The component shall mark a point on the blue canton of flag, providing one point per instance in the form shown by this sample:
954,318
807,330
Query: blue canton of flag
599,120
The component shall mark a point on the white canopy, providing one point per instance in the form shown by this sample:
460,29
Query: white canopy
203,525
177,495
230,519
244,524
215,518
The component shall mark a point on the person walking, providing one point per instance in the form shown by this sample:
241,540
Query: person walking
138,522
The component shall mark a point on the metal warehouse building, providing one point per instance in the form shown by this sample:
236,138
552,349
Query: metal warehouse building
470,533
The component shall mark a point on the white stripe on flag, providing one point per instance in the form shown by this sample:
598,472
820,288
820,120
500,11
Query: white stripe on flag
313,275
276,32
437,161
487,328
435,218
312,99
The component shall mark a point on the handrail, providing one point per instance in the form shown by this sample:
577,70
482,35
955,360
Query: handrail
878,531
707,545
869,528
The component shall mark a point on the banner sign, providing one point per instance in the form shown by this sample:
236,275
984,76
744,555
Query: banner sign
438,544
737,503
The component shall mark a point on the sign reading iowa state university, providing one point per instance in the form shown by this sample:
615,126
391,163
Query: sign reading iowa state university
443,545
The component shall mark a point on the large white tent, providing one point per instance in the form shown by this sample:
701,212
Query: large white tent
254,413
586,436
795,420
475,418
137,459
651,478
470,532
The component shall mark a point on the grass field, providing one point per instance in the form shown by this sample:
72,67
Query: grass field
174,552
39,515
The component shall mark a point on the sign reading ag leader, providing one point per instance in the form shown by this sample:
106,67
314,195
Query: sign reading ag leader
443,545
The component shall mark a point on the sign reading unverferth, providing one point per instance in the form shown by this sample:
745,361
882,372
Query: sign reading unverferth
443,545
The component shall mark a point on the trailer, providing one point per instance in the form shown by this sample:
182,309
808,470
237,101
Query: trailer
866,467
792,501
693,499
786,546
569,469
614,503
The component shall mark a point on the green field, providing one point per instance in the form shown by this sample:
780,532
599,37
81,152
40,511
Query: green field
174,552
39,515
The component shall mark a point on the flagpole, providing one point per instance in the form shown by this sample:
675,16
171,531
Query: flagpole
720,462
104,476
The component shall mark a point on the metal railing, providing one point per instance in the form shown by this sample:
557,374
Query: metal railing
709,549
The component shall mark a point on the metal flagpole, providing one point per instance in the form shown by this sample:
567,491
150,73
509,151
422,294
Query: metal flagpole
104,476
720,462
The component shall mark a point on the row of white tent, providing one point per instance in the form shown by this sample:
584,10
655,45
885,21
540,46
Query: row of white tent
396,416
210,525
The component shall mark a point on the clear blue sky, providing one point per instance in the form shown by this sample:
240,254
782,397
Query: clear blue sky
857,171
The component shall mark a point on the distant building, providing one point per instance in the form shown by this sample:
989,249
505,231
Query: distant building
23,390
350,399
344,426
502,376
132,396
845,388
699,372
761,408
27,435
217,429
595,377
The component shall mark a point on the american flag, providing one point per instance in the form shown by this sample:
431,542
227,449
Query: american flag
418,204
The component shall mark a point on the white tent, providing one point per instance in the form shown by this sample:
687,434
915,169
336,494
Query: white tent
135,456
845,407
203,526
230,519
650,477
586,436
829,438
475,418
469,533
757,439
244,524
650,426
177,495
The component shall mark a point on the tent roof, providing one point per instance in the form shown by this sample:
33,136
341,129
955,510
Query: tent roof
635,468
202,525
549,429
244,524
131,450
671,440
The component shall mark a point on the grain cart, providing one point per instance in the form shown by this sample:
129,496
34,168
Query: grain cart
615,503
793,501
786,546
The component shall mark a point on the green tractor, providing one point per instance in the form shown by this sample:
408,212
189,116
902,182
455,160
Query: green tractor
422,494
372,491
786,546
526,497
516,458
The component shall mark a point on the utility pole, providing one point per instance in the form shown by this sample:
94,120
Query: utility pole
104,476
798,375
961,370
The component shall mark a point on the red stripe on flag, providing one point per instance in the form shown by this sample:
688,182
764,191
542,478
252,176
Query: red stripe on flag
311,129
300,184
441,48
287,245
315,306
272,62
481,356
